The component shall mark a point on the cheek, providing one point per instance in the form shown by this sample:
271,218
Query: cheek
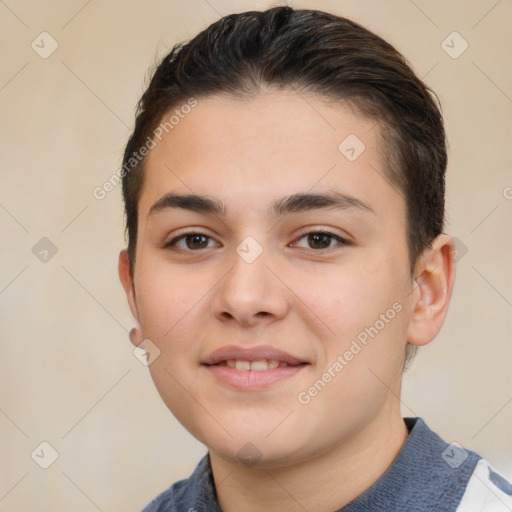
165,297
171,308
367,313
348,300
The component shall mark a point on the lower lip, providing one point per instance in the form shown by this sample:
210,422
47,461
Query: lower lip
253,380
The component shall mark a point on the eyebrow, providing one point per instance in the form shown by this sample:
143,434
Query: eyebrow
295,203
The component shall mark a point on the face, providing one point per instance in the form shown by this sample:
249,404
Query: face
294,264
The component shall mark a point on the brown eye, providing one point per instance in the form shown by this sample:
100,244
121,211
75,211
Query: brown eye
196,241
190,242
319,240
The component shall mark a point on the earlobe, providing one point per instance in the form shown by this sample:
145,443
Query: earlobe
434,279
126,277
136,335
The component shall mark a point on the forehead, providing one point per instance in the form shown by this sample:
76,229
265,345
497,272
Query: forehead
255,150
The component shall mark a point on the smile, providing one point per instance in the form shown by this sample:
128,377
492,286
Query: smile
252,368
256,366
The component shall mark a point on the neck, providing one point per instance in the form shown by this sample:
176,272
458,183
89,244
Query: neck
325,483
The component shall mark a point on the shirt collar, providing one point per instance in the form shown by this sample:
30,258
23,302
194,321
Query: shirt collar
427,474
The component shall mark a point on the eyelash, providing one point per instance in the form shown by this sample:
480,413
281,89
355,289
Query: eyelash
342,241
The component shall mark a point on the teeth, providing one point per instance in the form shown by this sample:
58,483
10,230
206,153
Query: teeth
257,366
243,365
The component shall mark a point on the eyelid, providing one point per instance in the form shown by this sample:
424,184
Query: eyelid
190,231
320,229
342,240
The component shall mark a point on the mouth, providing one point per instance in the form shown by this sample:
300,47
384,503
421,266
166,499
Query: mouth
258,358
252,368
260,365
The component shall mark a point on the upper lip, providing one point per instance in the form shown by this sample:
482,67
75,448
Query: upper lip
232,352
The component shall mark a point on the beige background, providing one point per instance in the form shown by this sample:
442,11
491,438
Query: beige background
68,374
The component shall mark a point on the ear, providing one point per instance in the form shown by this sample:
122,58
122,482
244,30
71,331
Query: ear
126,277
434,277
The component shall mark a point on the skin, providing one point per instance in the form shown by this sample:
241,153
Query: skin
305,300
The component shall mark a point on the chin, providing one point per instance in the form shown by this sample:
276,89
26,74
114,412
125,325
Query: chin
258,455
264,447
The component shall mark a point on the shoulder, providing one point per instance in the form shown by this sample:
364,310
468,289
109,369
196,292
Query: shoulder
487,491
194,494
171,499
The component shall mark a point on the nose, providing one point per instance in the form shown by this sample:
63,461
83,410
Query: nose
251,292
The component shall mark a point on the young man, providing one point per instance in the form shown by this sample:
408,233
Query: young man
284,193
